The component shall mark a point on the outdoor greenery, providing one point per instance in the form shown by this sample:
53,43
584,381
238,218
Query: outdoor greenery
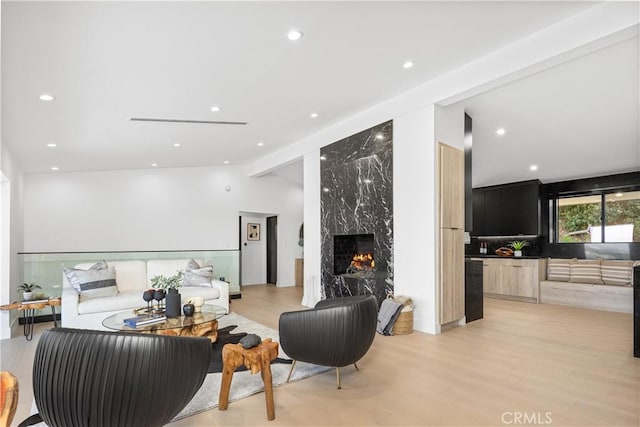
578,217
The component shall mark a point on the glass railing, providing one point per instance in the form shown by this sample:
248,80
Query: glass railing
45,269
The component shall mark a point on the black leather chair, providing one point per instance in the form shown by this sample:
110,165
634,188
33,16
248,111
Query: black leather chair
336,332
96,378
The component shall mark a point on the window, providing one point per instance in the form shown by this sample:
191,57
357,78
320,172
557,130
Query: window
580,219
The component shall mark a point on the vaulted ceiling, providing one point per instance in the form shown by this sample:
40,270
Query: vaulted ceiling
107,62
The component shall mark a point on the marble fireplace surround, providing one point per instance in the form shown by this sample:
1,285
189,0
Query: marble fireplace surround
356,176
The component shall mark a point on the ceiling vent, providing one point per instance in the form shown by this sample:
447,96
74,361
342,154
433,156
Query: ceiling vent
211,122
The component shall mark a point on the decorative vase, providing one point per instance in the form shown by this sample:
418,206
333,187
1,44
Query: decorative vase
517,253
173,303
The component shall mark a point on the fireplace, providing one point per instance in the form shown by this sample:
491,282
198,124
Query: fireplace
353,253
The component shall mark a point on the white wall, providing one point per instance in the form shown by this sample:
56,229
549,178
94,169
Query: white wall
11,224
449,127
312,245
157,209
254,252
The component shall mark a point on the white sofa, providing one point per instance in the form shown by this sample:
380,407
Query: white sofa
606,284
132,279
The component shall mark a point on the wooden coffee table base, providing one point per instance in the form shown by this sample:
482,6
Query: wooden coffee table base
207,329
257,359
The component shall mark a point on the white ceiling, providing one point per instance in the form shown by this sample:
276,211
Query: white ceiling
106,62
576,120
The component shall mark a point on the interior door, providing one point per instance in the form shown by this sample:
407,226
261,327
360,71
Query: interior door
272,249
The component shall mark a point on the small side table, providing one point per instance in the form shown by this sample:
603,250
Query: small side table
257,359
29,310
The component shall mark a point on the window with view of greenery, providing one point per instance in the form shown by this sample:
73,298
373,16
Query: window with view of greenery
580,218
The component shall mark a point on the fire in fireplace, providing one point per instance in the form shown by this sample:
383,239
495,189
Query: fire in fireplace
361,262
353,253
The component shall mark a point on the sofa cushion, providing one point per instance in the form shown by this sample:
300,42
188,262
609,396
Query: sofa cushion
586,271
195,275
617,273
122,301
98,281
559,270
130,275
207,293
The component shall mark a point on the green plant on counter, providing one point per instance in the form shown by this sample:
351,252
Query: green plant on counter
518,245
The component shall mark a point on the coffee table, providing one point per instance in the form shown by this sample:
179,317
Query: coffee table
202,324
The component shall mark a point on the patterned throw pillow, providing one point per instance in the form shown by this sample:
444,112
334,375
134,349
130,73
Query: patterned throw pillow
96,282
586,271
618,273
559,270
194,275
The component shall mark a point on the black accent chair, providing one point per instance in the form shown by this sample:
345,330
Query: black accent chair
336,332
95,378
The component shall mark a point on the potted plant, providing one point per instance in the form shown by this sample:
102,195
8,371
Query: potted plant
27,290
517,246
170,285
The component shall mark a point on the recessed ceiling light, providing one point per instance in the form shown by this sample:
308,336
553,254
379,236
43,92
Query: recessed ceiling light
313,115
215,108
408,64
260,144
501,131
294,35
55,168
323,157
52,145
46,97
177,144
226,162
619,194
533,167
154,164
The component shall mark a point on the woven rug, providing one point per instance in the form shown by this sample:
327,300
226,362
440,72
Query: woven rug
244,384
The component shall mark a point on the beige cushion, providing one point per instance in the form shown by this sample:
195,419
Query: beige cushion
98,281
559,270
586,271
618,273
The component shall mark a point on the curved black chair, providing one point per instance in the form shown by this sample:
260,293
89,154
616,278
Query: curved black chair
336,332
96,378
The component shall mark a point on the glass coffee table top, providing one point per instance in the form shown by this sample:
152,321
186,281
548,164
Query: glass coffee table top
209,313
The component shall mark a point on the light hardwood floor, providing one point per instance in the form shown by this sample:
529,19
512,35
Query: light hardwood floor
546,364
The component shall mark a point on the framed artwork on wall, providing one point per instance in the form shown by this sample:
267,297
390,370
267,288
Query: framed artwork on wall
253,231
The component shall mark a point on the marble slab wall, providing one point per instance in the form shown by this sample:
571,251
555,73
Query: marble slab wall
356,176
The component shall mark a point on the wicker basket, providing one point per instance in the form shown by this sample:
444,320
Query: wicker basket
404,323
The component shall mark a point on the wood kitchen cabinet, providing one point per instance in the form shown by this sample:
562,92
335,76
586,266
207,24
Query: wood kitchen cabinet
513,278
451,209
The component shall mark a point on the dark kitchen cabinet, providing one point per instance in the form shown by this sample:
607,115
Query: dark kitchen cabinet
473,290
507,210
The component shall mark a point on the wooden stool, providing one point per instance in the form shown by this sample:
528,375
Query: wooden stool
9,391
257,359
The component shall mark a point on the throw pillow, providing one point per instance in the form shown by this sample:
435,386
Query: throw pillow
586,271
96,282
194,275
559,270
617,273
